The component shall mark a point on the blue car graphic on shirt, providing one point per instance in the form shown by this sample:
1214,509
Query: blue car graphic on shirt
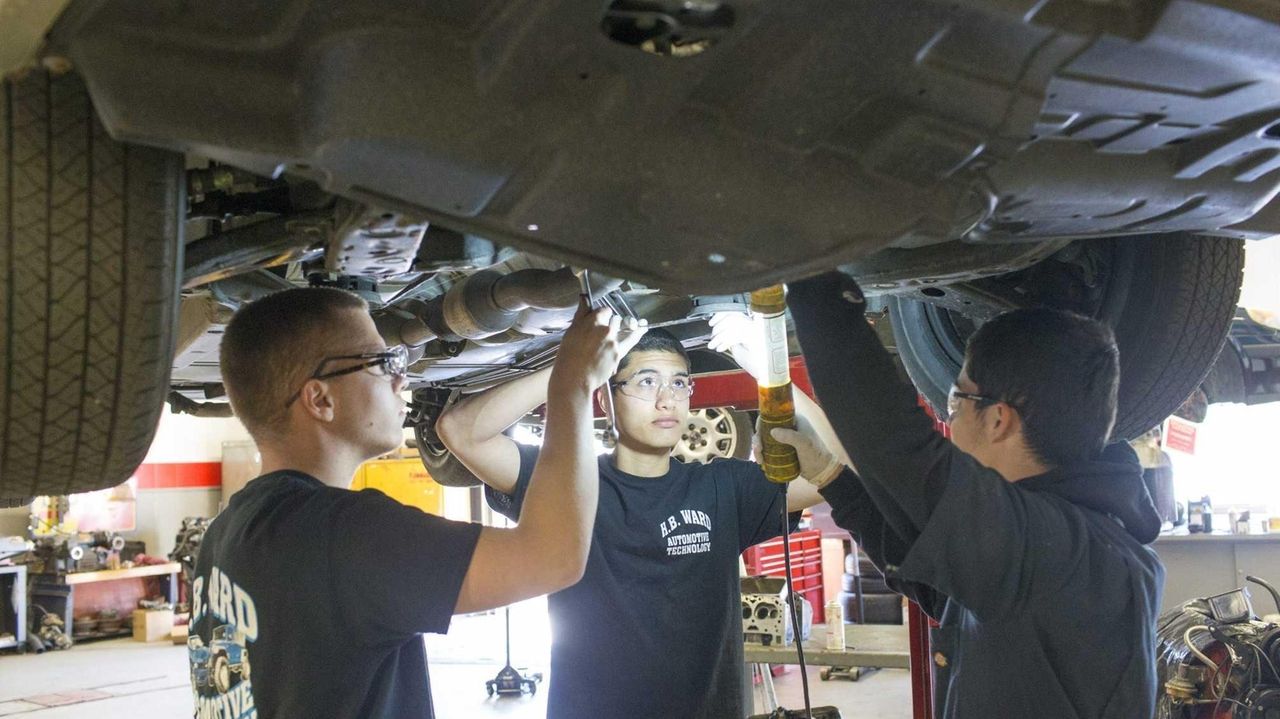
222,664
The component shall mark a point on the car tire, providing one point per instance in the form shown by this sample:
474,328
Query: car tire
443,467
1169,298
90,271
870,584
880,608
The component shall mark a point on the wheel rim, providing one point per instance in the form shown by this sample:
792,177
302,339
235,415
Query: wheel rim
708,434
431,449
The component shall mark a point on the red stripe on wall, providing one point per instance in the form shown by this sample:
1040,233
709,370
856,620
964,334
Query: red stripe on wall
180,475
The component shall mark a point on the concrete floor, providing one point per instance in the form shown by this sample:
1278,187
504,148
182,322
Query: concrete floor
123,679
109,679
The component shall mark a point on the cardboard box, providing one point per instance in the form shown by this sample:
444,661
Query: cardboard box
151,625
179,633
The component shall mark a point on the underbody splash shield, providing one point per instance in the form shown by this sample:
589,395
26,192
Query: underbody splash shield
711,147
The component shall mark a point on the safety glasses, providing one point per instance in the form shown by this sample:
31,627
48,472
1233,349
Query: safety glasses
955,395
649,387
393,362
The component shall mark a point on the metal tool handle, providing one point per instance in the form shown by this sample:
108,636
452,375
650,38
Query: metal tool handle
596,303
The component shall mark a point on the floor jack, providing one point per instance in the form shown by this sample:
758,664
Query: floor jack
852,674
509,681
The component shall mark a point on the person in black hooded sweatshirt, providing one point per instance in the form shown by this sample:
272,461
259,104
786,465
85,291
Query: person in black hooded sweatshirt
1024,536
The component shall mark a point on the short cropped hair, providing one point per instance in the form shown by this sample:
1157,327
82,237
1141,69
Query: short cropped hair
1060,370
272,346
657,340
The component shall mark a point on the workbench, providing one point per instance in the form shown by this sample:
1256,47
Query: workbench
886,646
1202,565
866,645
60,589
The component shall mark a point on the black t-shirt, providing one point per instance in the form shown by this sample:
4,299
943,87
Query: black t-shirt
327,590
654,629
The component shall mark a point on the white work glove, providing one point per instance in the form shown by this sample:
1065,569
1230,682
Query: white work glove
741,336
818,465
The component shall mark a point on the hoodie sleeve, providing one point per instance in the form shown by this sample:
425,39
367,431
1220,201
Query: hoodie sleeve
899,455
949,523
853,509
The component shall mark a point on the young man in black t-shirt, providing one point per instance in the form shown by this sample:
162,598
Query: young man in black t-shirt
308,598
654,629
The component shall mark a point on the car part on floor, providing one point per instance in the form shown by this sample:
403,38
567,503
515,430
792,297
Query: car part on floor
89,290
1169,298
814,713
852,674
764,611
52,630
1214,654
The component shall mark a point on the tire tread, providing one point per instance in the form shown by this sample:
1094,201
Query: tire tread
91,271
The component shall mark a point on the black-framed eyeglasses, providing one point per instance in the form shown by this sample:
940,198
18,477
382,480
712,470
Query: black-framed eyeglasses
648,387
393,362
955,395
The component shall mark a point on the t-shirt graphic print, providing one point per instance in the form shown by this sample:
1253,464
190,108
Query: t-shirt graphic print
662,573
687,532
301,602
220,670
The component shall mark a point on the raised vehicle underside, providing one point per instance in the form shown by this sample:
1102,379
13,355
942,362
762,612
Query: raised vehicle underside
458,163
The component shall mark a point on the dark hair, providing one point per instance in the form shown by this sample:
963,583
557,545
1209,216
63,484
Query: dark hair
272,346
657,340
1059,370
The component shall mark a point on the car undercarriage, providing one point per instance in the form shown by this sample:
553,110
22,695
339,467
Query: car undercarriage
459,164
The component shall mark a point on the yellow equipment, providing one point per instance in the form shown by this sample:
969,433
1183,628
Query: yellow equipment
404,480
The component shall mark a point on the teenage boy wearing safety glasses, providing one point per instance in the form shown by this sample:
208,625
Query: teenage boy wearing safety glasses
654,629
1025,535
324,591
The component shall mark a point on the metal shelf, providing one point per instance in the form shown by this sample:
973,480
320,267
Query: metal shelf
19,594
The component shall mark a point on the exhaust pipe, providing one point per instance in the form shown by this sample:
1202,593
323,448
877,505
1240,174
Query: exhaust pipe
484,304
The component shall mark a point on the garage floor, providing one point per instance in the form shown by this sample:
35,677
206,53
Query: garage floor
119,679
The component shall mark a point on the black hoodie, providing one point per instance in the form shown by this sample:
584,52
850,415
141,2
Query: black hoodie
1044,590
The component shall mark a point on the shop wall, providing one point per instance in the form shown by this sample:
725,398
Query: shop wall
13,522
181,476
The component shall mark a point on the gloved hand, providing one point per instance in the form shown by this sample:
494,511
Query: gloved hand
818,465
741,336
